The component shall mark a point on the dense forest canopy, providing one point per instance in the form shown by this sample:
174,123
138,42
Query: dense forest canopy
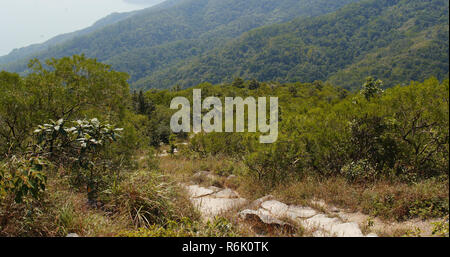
396,41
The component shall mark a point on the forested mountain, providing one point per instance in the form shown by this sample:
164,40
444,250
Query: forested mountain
396,41
163,35
187,42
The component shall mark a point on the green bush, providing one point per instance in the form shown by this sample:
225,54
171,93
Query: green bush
23,176
79,147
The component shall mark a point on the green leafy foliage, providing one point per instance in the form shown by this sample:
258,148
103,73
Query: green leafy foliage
21,177
68,89
441,228
80,147
402,133
372,88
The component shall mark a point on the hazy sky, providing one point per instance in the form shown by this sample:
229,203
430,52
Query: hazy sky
25,22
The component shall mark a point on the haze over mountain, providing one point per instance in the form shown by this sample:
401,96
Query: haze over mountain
187,42
26,22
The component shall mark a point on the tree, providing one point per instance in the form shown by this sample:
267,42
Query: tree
293,90
238,82
254,84
144,106
67,88
371,88
79,146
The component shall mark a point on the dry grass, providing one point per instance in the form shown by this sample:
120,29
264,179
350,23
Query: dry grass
143,197
389,201
61,211
384,207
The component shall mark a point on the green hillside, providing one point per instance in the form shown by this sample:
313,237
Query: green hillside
397,41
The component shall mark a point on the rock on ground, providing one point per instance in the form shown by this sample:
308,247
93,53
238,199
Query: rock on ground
269,214
213,201
263,223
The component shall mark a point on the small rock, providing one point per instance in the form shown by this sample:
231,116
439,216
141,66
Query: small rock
296,212
333,226
321,221
226,193
198,191
277,208
334,209
210,206
257,203
263,223
232,176
350,229
201,174
214,188
72,235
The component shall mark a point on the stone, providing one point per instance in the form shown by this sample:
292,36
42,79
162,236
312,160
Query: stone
319,203
298,212
257,203
72,235
196,191
350,229
333,226
231,177
204,175
209,206
320,221
277,208
263,223
214,188
201,174
334,209
226,193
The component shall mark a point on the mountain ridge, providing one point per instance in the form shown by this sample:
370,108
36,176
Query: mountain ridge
187,42
322,48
